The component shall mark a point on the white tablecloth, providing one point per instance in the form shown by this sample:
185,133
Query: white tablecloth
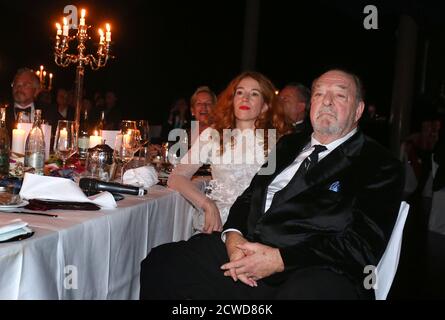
92,254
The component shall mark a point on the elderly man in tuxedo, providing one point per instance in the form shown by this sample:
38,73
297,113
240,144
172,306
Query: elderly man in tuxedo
305,232
25,89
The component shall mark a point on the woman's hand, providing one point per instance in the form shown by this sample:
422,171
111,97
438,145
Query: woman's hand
212,217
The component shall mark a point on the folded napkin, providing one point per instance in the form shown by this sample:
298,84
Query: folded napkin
145,177
13,228
61,189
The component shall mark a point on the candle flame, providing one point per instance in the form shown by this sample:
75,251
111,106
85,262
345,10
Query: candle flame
96,133
38,72
65,21
108,27
41,67
50,75
44,73
19,126
82,13
101,32
58,26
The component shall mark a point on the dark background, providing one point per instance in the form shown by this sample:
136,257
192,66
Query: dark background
165,49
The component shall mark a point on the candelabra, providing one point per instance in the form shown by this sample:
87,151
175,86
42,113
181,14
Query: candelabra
64,59
42,78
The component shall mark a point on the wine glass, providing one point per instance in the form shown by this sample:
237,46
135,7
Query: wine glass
127,125
124,148
144,130
23,117
65,141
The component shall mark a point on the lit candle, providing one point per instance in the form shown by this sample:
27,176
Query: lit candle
108,33
18,140
65,27
42,83
95,139
102,37
82,17
59,30
50,81
41,74
63,134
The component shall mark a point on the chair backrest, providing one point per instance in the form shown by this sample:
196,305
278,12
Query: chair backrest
387,267
436,221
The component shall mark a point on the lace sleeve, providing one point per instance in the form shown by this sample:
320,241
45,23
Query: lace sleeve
180,178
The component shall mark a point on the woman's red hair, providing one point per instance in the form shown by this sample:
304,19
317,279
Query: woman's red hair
223,115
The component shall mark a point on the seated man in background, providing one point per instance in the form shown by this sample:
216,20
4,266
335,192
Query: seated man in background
305,232
295,98
25,89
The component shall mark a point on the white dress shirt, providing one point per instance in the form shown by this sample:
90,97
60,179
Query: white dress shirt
282,179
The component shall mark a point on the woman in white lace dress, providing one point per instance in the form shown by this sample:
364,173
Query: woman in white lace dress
247,108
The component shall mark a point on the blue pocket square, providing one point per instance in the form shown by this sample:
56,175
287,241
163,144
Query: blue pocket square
335,186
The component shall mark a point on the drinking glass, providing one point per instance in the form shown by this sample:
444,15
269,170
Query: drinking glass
65,141
124,148
127,125
144,130
23,117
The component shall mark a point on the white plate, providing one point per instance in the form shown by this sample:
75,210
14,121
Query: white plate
22,203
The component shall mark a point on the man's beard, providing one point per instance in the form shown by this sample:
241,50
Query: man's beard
327,130
331,129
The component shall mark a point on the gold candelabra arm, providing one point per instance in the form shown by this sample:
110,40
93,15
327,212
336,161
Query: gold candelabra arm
101,58
64,60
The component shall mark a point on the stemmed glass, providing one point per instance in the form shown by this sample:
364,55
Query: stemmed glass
23,117
125,146
144,130
128,125
65,141
144,139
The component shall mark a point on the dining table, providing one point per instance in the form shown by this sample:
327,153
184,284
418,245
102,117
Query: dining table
92,255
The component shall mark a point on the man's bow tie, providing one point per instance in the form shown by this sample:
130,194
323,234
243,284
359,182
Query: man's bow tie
17,109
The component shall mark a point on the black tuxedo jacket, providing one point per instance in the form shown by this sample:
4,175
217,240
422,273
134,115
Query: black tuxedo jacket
304,128
439,157
339,216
